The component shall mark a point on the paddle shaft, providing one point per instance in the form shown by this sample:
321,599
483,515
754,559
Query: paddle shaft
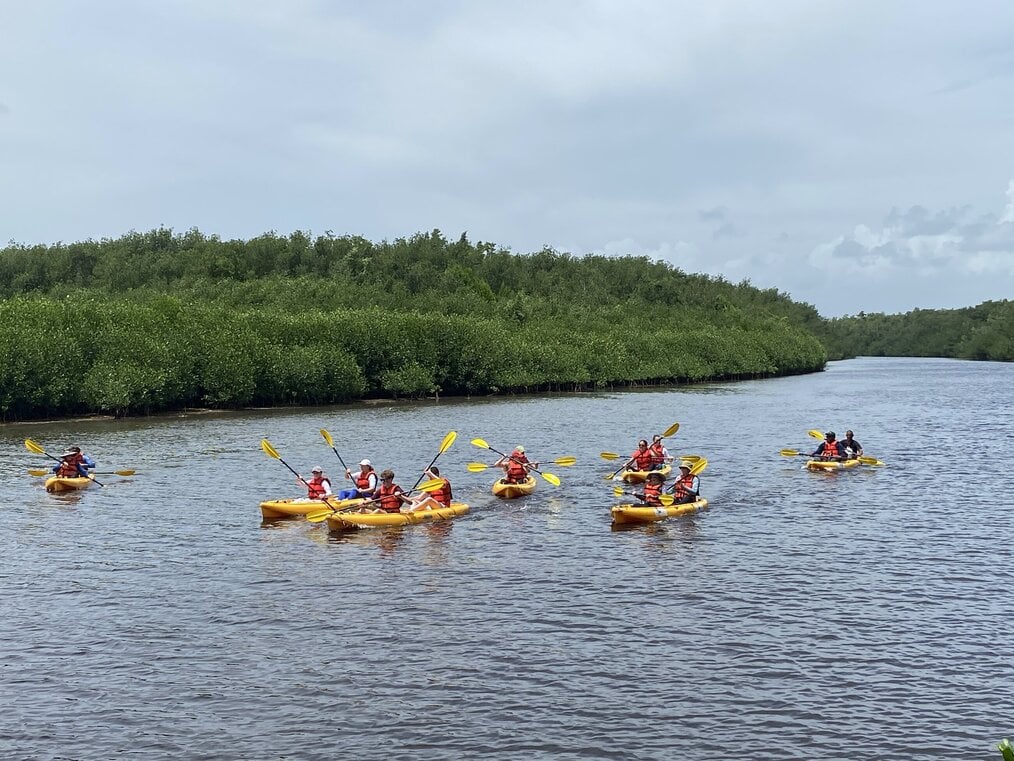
39,450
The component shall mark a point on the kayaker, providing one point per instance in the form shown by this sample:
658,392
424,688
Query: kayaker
652,489
687,488
434,499
852,447
73,464
659,454
389,496
641,459
319,485
515,466
365,479
829,448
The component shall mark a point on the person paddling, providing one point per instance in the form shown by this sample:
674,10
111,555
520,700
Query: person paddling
319,485
642,458
437,498
73,464
515,466
365,480
686,488
829,448
852,447
390,497
652,489
659,454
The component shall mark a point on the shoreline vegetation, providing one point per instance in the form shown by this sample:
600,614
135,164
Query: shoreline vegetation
162,322
159,322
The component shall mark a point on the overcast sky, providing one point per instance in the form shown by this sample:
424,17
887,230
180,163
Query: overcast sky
857,155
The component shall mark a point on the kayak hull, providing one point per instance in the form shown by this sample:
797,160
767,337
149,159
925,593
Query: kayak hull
57,484
831,464
650,514
640,476
276,509
352,521
505,490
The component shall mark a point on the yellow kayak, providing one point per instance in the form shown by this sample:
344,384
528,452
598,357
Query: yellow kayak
831,464
640,476
647,514
504,490
58,483
293,508
351,521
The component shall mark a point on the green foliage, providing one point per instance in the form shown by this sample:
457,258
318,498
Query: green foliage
985,331
298,320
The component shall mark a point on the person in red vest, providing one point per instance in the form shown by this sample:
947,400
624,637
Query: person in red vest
434,499
73,464
319,485
641,459
829,449
652,489
659,454
686,488
389,496
365,480
515,466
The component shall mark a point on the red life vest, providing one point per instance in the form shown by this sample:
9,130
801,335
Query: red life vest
315,487
684,485
652,492
657,456
389,501
69,467
443,494
516,471
363,480
642,460
829,450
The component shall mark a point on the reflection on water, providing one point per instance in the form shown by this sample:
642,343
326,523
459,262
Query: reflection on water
806,615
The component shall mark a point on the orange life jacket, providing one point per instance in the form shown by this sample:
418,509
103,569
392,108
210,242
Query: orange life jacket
684,485
69,467
642,460
516,471
657,455
363,479
829,450
443,494
389,501
315,487
652,492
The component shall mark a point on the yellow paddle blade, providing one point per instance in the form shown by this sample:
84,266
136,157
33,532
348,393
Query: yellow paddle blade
448,440
690,457
124,472
319,516
477,467
327,437
813,433
481,443
666,499
38,472
565,462
618,491
551,478
609,455
671,430
34,446
789,453
698,467
870,461
433,485
269,450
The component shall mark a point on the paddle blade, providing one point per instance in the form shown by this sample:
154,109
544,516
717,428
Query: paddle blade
34,446
565,462
124,472
671,430
448,440
477,467
551,478
327,437
618,491
813,433
38,472
269,450
698,467
789,453
433,485
481,443
319,516
870,461
666,499
609,455
691,457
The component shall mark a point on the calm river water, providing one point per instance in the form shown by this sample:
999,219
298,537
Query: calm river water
861,615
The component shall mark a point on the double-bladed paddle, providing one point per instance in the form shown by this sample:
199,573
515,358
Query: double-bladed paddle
548,476
36,448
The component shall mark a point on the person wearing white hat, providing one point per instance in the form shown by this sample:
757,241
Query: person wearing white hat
319,486
365,480
687,488
73,463
515,465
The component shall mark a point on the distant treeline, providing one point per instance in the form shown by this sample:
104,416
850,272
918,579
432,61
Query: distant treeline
158,321
985,331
